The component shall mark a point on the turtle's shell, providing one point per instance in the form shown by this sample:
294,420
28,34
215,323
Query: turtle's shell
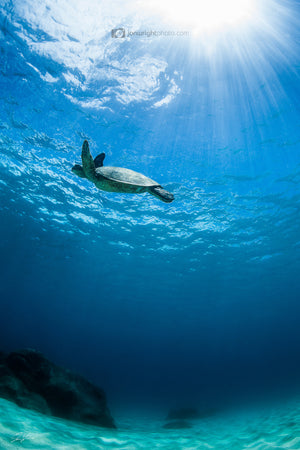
125,176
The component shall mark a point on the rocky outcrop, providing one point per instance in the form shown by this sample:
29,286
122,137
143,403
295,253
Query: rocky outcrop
177,425
191,413
32,381
183,414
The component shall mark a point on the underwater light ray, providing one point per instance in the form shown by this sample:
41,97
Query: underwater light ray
202,15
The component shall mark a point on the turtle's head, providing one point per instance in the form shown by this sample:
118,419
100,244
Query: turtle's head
78,170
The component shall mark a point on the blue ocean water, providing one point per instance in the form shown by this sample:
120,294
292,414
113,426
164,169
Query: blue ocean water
156,303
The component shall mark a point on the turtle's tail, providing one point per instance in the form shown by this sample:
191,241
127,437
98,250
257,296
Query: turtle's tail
162,194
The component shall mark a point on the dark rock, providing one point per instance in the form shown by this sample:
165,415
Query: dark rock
32,381
190,413
177,425
182,413
13,389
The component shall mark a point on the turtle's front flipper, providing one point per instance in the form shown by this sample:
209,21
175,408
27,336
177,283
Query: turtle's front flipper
99,160
87,161
162,194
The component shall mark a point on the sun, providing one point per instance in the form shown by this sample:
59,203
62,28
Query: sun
202,15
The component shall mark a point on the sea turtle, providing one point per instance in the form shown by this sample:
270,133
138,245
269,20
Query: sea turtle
117,179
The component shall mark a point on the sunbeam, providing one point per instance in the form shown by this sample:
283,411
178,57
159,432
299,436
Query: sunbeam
202,15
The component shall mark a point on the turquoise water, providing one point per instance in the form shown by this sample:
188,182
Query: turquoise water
276,428
191,302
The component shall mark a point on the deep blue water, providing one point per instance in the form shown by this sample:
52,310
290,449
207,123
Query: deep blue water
149,300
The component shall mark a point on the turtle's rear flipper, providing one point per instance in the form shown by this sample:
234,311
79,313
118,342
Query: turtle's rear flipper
162,194
78,170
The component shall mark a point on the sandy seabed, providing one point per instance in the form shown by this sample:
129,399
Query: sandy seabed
268,428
